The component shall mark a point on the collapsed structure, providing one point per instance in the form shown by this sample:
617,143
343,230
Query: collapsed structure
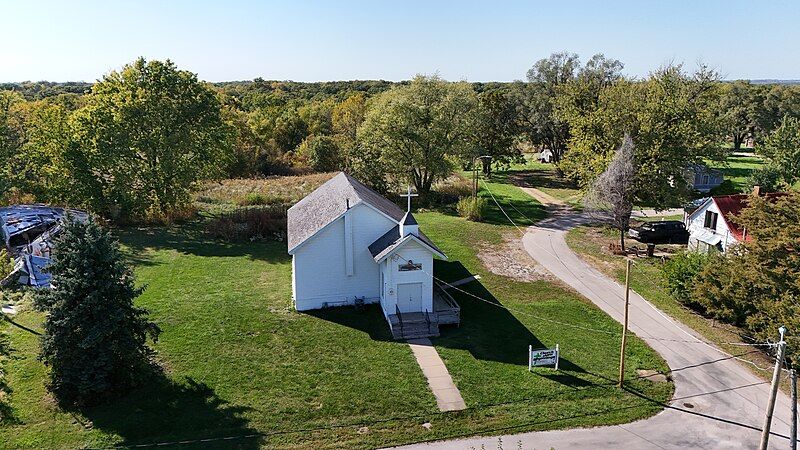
27,232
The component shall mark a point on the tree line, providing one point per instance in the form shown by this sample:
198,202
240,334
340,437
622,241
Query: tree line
136,143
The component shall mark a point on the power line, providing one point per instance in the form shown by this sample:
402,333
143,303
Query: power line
267,434
695,340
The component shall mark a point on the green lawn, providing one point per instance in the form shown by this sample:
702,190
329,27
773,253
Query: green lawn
738,168
646,280
239,361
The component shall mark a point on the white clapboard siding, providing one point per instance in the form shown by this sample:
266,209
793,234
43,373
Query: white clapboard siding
321,262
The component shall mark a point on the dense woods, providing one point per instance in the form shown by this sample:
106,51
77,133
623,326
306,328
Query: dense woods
135,144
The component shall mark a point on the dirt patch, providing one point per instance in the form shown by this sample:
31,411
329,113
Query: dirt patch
652,375
512,261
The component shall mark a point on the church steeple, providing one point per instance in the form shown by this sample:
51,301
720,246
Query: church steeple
409,225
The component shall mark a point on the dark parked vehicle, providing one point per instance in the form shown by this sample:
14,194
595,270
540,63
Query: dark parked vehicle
661,232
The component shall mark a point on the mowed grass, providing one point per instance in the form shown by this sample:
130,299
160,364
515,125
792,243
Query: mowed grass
738,169
646,280
487,358
238,362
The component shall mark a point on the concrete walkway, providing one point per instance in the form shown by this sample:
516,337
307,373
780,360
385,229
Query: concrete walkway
448,398
718,402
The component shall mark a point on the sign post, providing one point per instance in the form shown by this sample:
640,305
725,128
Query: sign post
543,357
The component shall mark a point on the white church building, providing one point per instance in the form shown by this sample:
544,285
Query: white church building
351,246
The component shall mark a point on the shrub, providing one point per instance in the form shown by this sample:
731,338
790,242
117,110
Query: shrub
94,339
15,196
6,263
768,177
249,224
725,188
679,275
321,153
472,209
253,199
178,214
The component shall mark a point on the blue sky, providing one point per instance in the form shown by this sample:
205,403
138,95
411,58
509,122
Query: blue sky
393,40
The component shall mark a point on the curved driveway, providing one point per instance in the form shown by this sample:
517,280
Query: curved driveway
718,403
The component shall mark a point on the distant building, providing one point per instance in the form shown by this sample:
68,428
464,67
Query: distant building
711,226
703,178
545,156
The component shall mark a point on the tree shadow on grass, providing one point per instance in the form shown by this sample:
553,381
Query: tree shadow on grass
564,375
737,172
167,411
7,415
488,331
368,319
538,179
192,240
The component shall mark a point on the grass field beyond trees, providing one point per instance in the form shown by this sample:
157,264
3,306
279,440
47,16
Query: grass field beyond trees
239,361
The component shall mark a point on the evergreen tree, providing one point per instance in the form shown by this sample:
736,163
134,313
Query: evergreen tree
95,338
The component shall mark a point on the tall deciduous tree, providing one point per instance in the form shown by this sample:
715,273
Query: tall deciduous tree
147,135
613,192
740,104
779,101
11,138
782,150
550,81
420,130
496,129
94,338
347,116
673,119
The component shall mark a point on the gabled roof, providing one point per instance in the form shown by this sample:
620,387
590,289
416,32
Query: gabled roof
732,205
328,202
391,240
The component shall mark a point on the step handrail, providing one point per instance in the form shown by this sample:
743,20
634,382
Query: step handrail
399,319
428,320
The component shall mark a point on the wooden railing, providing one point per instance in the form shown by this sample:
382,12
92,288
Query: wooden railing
399,319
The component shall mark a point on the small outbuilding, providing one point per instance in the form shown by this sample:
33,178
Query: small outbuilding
351,246
545,156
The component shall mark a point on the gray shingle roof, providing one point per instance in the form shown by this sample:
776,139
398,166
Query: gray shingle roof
328,202
391,239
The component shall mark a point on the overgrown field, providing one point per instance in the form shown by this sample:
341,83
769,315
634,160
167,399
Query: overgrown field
239,362
279,191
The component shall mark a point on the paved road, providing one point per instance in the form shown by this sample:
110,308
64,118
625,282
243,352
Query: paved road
727,400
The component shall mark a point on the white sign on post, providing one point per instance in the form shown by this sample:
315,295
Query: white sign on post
546,357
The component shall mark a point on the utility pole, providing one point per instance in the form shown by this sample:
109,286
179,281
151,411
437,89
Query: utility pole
625,322
773,393
793,435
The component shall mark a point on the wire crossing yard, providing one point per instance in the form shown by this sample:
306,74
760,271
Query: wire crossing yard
239,362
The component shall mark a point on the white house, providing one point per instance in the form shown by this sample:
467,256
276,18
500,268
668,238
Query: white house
350,245
703,178
711,226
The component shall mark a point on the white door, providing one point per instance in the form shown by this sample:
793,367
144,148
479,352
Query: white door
409,297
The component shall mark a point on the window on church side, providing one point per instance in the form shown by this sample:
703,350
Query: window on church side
409,266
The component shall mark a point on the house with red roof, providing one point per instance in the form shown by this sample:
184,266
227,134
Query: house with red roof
712,226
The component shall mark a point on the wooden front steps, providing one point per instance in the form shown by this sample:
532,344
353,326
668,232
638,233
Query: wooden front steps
413,325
